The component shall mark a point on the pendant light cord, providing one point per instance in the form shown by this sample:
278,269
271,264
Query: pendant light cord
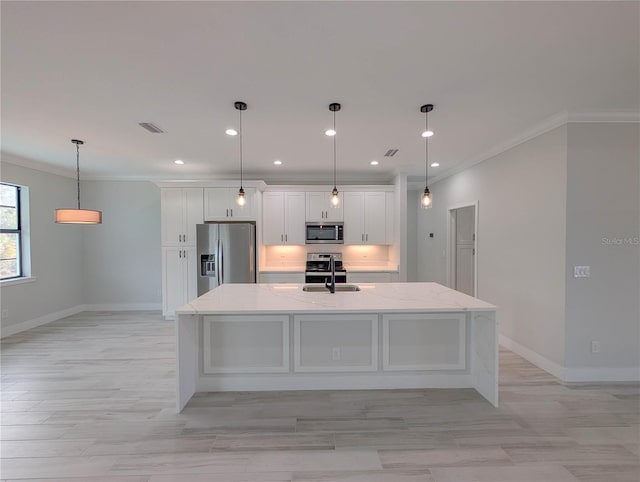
240,113
78,171
334,149
426,150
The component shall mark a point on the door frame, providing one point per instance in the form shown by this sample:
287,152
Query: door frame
450,249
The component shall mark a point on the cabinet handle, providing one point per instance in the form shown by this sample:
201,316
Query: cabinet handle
231,212
285,238
180,254
184,238
227,212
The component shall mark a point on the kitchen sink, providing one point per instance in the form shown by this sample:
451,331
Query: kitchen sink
323,289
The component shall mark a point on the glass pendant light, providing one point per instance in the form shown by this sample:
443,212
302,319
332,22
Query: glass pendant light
335,199
241,200
77,215
426,201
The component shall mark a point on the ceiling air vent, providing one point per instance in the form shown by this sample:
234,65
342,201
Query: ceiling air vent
391,153
154,129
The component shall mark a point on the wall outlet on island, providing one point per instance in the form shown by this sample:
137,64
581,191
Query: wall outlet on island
335,354
595,347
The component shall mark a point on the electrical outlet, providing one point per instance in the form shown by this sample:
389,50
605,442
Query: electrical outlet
335,354
5,314
595,347
581,271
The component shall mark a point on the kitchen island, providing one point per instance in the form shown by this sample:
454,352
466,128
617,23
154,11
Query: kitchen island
387,335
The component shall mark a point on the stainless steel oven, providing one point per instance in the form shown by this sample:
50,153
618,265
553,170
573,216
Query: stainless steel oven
324,233
318,268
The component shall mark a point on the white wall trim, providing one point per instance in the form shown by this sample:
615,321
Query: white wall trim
58,315
538,360
546,125
569,375
123,307
43,320
36,165
592,374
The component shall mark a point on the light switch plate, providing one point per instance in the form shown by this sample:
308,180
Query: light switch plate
581,271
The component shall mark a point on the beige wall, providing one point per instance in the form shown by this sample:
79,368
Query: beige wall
521,238
602,207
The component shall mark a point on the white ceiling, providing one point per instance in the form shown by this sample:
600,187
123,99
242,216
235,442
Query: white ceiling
93,70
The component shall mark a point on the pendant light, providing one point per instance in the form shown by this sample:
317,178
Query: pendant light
426,201
78,216
241,200
335,200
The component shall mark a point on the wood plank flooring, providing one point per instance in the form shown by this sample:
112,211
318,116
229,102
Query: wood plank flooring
91,398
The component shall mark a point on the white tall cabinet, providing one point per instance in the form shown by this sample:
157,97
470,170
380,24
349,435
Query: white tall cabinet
182,210
365,218
283,218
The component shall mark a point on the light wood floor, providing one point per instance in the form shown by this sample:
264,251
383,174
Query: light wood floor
91,398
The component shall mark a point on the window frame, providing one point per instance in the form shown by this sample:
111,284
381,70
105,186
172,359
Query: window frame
18,231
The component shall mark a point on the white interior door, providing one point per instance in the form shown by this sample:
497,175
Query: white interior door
465,249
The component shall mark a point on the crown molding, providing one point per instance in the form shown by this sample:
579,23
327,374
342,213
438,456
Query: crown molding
546,125
28,163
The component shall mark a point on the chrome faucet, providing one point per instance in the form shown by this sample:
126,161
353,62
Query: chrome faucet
332,265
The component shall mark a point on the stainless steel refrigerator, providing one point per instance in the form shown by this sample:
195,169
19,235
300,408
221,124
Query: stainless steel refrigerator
226,253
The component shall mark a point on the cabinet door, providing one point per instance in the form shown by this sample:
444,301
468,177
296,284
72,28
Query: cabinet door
317,206
172,216
273,218
173,289
216,203
294,209
353,218
190,270
246,212
375,206
193,213
334,213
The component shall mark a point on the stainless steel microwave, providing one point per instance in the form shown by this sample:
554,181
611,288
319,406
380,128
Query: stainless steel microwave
324,233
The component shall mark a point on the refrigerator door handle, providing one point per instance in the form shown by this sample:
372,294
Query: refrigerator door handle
221,263
218,262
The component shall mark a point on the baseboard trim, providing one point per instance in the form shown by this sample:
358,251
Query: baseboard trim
58,315
577,375
538,360
43,320
123,307
572,375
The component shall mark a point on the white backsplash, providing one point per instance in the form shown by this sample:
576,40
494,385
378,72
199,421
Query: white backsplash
353,255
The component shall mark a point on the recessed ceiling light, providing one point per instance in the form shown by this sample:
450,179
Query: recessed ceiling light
330,132
277,162
374,163
178,161
231,132
435,164
427,133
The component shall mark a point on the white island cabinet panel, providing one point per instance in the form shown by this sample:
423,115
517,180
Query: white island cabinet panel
424,342
432,337
246,344
335,343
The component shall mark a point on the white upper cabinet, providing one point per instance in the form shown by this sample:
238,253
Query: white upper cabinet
319,208
366,218
182,210
220,204
283,217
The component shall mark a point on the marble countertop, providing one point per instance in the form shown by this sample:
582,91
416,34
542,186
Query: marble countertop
372,297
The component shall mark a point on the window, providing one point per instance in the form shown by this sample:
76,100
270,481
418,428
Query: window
10,232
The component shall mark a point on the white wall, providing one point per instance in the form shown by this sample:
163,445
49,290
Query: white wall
56,250
602,202
521,238
122,257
